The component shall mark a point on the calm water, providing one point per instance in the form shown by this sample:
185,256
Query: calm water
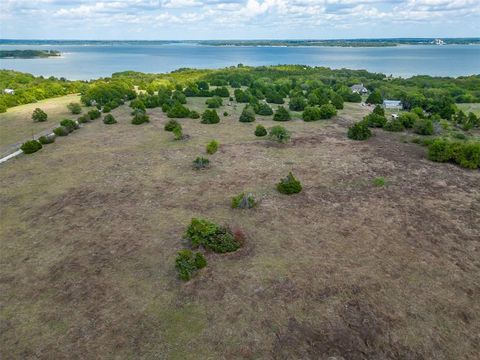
93,61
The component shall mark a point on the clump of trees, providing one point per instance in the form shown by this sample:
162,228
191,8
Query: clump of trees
463,153
39,115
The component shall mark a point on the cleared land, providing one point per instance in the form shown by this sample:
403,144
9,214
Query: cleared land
16,125
91,224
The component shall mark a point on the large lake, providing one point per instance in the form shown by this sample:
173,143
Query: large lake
93,61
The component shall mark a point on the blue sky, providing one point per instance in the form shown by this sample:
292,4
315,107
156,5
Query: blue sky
237,19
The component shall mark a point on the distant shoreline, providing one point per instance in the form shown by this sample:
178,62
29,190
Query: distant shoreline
28,54
254,43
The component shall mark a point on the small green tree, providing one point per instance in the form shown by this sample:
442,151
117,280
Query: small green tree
282,114
279,133
94,114
31,146
248,115
311,113
359,131
212,147
109,119
39,115
243,201
297,103
260,131
188,263
423,127
379,110
69,124
336,100
214,102
75,108
289,185
375,120
200,163
327,111
210,117
263,109
171,124
394,125
177,132
375,98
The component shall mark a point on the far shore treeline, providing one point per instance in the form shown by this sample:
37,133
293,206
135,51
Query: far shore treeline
28,54
434,94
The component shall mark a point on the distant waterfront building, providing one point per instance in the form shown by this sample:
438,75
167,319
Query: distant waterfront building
392,104
359,89
439,42
9,91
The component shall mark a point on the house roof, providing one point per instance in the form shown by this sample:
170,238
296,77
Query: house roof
358,87
392,102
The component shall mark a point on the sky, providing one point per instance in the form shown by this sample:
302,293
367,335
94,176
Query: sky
237,19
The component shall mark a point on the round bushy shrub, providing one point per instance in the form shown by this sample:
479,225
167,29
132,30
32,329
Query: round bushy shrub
327,111
297,103
94,114
263,109
177,132
243,201
194,115
282,114
31,146
423,127
211,236
139,118
248,114
137,104
212,147
171,124
178,111
109,119
375,120
375,98
210,117
465,154
394,125
225,113
106,109
260,131
188,263
289,185
84,119
47,139
279,133
200,163
336,100
75,108
311,113
61,131
359,131
69,124
39,115
214,102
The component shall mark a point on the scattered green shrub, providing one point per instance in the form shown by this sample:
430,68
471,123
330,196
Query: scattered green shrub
260,131
282,114
297,103
375,120
459,136
465,154
31,146
200,163
75,108
69,124
243,201
212,147
359,131
211,236
214,102
47,139
311,113
84,119
194,115
423,126
177,132
39,115
178,111
210,117
106,109
289,185
171,124
139,118
279,133
188,263
327,111
94,114
61,131
248,115
137,104
263,109
394,125
225,113
109,119
379,181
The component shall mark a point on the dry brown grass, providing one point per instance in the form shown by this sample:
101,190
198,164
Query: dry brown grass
90,227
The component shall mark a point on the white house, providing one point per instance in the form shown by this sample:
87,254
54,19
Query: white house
9,91
359,89
392,104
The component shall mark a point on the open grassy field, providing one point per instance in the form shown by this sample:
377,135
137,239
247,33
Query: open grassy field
16,124
90,227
